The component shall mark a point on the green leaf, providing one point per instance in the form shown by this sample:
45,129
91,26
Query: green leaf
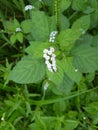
90,77
79,5
36,48
19,37
26,26
67,38
56,77
85,39
59,107
52,23
63,88
92,108
94,19
40,29
93,3
65,4
28,70
85,58
11,25
13,38
71,71
64,23
95,41
82,23
71,124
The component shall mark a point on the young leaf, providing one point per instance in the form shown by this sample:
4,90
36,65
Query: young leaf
28,70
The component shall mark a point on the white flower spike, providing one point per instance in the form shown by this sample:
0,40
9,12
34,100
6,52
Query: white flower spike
50,60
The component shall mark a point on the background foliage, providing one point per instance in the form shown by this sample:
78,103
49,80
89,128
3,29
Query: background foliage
33,98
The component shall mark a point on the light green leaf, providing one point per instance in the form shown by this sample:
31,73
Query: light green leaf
36,48
28,70
71,71
26,26
67,38
13,38
40,29
85,58
19,37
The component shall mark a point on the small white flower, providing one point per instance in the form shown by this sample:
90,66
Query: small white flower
49,52
40,0
76,70
18,29
2,118
52,49
45,55
49,66
29,7
53,55
84,118
53,59
46,86
54,68
45,51
51,40
47,62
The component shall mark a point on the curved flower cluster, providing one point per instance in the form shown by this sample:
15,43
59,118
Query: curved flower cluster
50,60
52,36
29,7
